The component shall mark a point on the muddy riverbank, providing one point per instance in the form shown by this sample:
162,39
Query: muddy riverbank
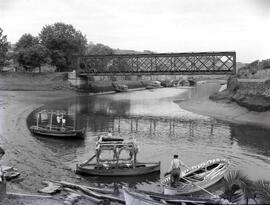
22,149
38,162
227,111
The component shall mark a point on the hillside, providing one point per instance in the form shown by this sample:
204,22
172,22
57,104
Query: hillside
121,51
250,87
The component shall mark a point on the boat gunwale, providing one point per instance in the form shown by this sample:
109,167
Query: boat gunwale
165,182
134,171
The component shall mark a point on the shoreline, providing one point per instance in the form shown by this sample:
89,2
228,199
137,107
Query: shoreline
15,106
229,112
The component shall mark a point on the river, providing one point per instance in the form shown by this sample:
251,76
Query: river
161,129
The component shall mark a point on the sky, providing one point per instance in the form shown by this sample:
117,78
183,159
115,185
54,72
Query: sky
157,25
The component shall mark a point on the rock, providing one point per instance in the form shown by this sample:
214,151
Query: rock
11,175
2,152
253,103
224,96
10,172
72,198
51,188
232,84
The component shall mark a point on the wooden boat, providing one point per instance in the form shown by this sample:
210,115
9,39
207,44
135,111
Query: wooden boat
116,165
153,85
60,130
197,177
143,198
55,131
134,198
120,87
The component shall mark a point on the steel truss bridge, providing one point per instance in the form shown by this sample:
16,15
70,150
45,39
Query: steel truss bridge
158,64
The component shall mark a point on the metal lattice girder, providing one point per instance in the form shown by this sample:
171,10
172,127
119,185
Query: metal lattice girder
163,63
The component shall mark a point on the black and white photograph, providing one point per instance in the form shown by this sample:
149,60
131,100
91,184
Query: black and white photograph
135,102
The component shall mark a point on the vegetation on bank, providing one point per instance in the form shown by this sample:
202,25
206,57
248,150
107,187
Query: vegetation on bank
249,88
239,188
26,81
56,45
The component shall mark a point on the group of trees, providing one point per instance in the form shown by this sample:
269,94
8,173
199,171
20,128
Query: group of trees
56,45
3,48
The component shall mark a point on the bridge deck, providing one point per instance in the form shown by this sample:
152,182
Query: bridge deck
158,64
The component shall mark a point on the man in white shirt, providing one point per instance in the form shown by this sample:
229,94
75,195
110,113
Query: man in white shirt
175,170
109,134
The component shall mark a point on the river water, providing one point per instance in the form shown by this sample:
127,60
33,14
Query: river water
161,129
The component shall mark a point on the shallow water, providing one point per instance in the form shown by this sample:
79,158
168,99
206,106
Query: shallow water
161,129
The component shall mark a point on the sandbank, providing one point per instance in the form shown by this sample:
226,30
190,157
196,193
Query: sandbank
230,112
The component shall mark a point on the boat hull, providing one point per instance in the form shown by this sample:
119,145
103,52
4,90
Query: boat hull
77,134
208,178
132,198
120,87
140,169
140,197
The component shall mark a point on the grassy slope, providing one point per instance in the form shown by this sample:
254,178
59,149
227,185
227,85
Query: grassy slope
33,81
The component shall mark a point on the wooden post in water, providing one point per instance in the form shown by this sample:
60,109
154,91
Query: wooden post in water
131,125
62,120
51,121
150,127
119,125
38,119
137,125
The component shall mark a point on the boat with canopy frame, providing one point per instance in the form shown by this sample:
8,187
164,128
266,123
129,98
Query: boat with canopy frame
115,164
59,130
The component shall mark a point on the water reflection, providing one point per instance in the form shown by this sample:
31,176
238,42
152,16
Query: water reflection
162,129
254,138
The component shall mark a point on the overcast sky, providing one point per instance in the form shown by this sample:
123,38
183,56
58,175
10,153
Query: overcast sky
158,25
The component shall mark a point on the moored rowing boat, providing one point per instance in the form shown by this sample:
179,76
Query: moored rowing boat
137,197
121,160
197,177
57,132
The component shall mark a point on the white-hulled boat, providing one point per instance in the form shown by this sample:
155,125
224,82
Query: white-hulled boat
197,177
144,198
134,198
120,87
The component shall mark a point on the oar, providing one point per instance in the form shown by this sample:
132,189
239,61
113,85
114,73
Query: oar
167,173
87,161
200,187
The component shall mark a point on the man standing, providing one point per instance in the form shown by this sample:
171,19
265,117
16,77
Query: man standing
175,170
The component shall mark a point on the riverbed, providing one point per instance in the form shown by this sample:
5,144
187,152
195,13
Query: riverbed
160,126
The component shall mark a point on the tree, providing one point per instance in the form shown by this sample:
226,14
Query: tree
98,64
64,42
30,54
3,48
33,57
26,41
98,49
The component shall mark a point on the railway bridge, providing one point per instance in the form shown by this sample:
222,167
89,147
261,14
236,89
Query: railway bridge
154,66
202,63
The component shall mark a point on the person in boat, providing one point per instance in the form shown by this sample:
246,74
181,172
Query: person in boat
109,133
64,122
175,170
58,119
